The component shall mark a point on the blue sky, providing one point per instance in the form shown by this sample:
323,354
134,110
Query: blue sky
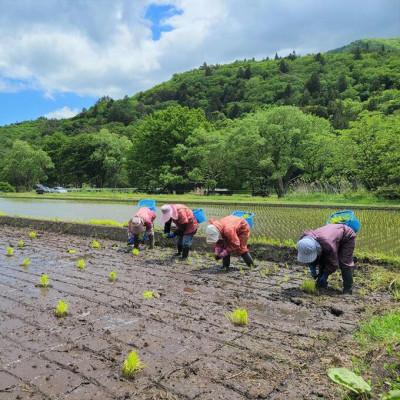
57,57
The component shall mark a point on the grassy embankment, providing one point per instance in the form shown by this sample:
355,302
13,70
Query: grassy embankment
378,347
318,199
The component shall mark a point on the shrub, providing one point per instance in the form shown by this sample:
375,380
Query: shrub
9,251
6,187
32,235
135,252
20,243
388,192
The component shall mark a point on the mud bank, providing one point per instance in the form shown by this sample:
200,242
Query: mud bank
190,349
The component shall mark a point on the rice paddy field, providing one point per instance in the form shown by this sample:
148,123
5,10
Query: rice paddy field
380,232
67,325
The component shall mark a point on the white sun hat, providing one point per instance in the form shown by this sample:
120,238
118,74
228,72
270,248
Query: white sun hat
212,234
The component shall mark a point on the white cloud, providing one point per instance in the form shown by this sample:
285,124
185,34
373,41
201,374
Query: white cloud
105,47
64,112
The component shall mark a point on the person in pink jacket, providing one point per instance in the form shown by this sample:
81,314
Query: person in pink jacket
186,226
229,235
142,223
327,249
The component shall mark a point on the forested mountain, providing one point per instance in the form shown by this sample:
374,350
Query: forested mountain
358,84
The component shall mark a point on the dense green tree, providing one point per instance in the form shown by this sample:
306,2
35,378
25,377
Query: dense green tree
313,85
24,166
283,66
154,158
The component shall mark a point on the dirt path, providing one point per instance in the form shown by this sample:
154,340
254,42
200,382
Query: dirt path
190,349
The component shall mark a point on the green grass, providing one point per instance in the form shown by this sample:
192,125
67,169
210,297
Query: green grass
380,330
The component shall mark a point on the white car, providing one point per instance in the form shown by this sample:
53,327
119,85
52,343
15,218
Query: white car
59,189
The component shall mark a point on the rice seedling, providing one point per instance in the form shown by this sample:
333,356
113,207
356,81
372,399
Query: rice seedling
44,280
309,286
9,251
32,235
238,317
132,364
95,244
71,251
148,294
26,262
112,276
61,309
81,264
21,244
135,252
108,222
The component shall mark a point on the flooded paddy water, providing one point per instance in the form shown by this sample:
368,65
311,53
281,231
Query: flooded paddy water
380,233
189,348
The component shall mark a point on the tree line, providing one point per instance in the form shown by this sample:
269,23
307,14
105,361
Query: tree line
251,125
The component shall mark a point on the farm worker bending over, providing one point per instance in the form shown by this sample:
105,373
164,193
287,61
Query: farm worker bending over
186,226
329,248
229,235
142,223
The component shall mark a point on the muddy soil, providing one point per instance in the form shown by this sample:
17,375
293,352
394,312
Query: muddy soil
190,349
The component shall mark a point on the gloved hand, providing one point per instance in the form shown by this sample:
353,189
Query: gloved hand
223,253
217,251
145,236
322,281
313,270
131,240
170,235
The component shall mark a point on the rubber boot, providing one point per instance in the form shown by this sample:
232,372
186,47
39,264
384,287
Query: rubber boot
151,241
347,276
185,253
179,253
248,259
226,262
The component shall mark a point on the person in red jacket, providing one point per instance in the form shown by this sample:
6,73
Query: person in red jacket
329,248
142,223
186,226
229,235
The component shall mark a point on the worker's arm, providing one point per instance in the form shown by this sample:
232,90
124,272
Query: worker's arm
167,226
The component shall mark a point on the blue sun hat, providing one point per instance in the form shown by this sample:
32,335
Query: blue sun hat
307,250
